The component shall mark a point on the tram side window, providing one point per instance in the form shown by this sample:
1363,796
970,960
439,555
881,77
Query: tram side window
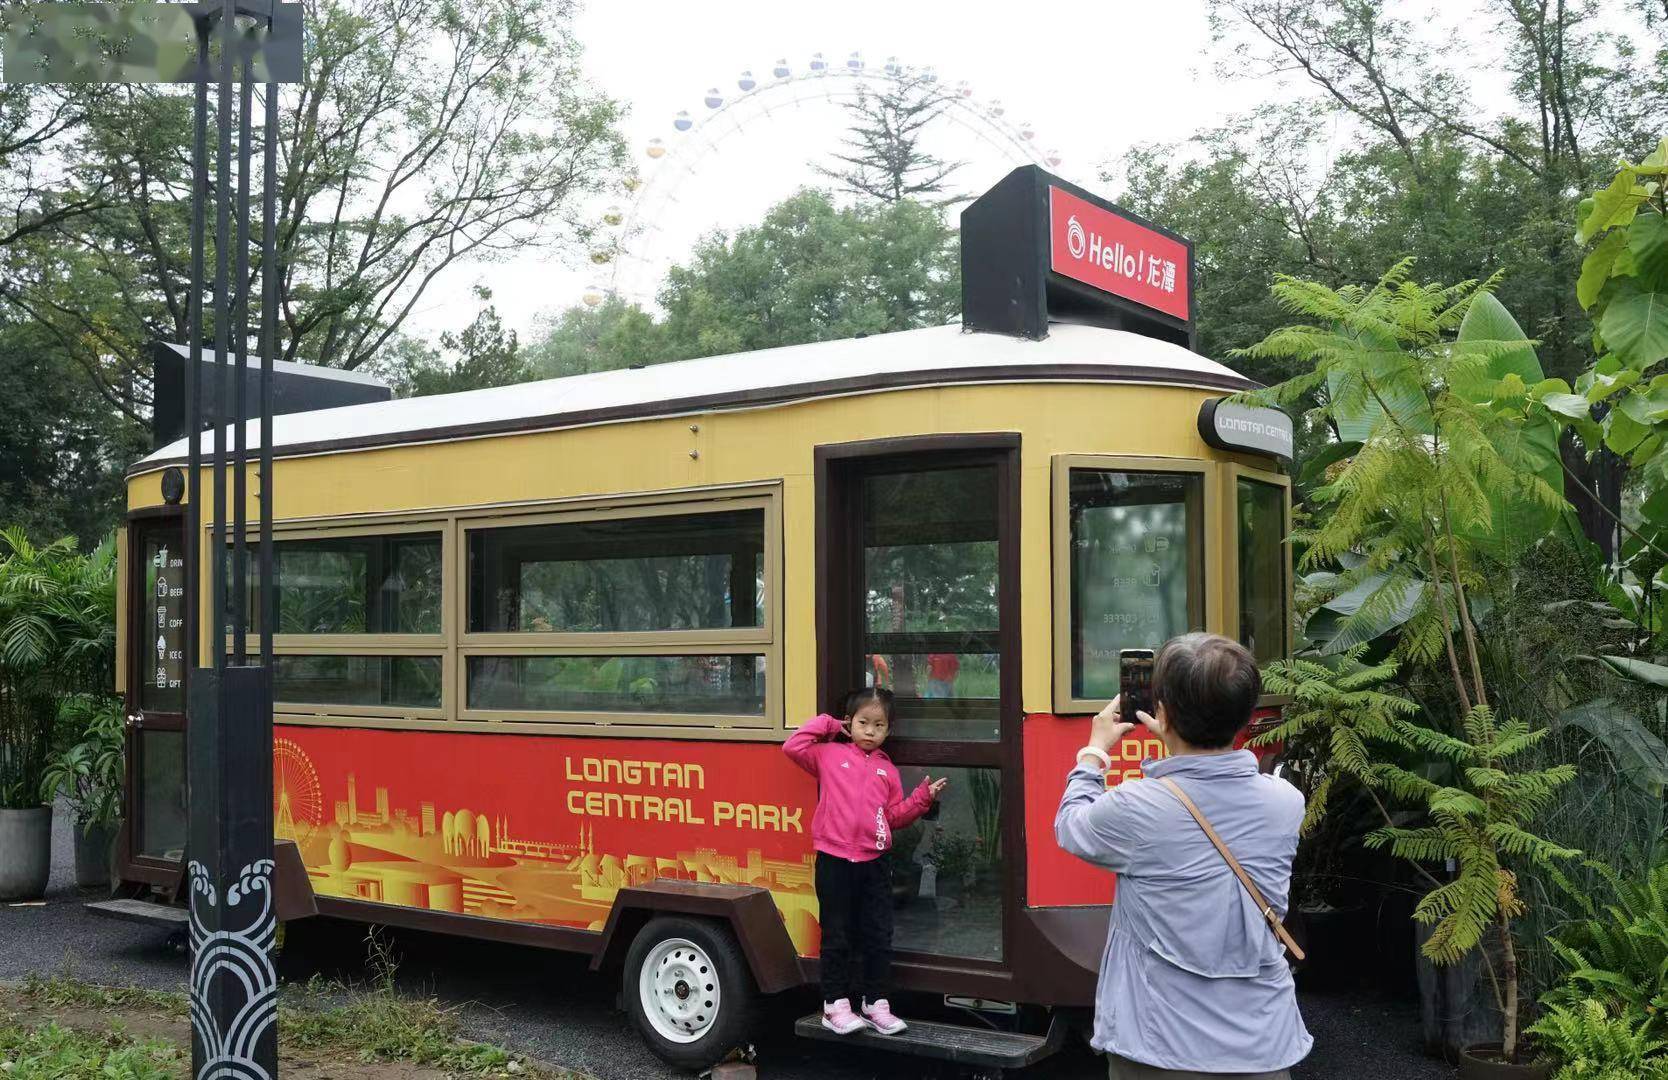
353,585
620,575
1136,566
661,615
359,628
1260,512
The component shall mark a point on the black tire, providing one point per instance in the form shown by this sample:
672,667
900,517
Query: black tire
714,953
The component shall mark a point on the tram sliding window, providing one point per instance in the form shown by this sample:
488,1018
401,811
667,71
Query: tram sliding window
640,585
1137,568
1260,510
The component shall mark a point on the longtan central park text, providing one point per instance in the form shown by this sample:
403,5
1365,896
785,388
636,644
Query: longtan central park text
680,808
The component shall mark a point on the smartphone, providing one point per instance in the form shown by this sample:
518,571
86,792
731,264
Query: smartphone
1135,683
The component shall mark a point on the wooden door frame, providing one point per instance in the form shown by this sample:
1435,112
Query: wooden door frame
838,566
131,865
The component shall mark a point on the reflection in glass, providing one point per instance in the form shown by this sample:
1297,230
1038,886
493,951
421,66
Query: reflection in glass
1262,569
722,685
385,681
931,617
1137,568
946,871
353,585
162,817
664,572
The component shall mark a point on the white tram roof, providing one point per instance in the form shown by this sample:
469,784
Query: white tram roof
934,356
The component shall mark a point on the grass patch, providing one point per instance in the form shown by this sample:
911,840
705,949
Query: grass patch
375,1021
54,1053
371,1021
65,991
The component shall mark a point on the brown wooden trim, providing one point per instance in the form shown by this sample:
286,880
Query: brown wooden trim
749,911
537,935
838,635
763,396
132,865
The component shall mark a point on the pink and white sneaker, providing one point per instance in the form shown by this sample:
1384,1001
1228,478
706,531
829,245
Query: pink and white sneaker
879,1015
839,1018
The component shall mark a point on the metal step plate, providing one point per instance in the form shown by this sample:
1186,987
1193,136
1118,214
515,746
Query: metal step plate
142,911
948,1042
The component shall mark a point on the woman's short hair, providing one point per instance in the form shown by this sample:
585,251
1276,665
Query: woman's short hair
1208,686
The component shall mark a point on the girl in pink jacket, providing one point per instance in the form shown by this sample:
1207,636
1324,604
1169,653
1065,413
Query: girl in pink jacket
859,804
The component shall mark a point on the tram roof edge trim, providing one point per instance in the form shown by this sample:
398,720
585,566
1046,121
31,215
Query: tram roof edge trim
939,355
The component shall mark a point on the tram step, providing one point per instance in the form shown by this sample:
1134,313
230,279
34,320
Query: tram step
143,911
949,1042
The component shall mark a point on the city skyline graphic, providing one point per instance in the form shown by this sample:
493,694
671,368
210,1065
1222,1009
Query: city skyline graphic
482,824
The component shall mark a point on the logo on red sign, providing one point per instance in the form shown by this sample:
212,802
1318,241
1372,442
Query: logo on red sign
1113,254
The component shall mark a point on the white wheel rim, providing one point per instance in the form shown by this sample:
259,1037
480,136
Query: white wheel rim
678,985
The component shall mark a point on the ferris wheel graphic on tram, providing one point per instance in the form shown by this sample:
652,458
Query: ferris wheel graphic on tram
297,798
631,254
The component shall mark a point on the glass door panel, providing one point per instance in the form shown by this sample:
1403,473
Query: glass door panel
930,575
158,658
918,554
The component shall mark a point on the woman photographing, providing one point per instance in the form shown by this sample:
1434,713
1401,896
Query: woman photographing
1194,980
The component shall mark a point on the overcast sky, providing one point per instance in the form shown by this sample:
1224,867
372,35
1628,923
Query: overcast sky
1093,78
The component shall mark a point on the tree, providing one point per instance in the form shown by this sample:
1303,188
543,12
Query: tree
482,354
614,334
421,135
810,271
1440,482
883,156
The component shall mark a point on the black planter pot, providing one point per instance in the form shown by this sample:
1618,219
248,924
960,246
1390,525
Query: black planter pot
1332,939
92,855
1483,1063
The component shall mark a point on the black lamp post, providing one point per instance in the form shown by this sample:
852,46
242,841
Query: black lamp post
234,985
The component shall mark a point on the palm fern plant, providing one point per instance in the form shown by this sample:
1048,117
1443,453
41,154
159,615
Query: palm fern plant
1594,1044
1618,956
1438,476
57,638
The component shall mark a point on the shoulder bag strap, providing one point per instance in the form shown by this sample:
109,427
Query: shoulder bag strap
1239,871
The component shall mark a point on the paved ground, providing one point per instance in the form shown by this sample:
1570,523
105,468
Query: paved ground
549,1005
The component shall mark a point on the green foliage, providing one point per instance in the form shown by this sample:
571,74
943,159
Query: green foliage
57,639
1481,819
1592,1044
1411,514
54,1053
1621,401
1340,706
1618,954
91,769
482,354
810,271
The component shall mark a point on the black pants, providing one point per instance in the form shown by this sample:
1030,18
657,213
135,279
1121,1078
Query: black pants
855,899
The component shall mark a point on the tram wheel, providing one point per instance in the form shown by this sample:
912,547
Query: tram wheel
689,990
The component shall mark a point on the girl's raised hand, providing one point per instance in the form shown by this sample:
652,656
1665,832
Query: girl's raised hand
936,786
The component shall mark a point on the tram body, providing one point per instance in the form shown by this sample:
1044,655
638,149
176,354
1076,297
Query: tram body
538,647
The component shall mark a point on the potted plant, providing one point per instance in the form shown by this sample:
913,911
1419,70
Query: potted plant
88,773
57,639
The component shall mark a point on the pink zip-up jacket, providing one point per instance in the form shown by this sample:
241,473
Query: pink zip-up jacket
859,798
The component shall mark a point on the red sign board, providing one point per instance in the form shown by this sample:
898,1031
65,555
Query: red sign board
1116,255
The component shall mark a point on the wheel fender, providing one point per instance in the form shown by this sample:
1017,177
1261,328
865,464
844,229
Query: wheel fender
749,912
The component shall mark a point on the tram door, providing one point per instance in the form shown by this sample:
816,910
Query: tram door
157,663
918,595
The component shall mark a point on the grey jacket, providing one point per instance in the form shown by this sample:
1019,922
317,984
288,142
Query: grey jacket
1192,978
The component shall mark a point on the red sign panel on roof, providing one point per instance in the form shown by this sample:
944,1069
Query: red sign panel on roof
1114,254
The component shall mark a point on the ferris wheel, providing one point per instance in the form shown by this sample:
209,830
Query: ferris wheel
297,799
630,253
